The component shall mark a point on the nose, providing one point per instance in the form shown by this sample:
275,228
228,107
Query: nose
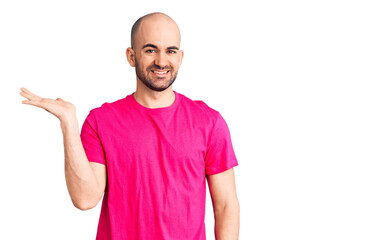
161,60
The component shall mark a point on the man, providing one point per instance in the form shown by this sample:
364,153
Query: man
150,152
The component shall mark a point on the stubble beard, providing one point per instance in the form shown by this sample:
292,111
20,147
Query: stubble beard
147,81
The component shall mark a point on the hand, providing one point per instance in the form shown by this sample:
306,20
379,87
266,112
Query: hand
61,109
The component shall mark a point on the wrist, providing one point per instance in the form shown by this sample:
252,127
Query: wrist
67,122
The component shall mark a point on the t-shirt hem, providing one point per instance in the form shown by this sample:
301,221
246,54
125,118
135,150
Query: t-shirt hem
216,171
97,161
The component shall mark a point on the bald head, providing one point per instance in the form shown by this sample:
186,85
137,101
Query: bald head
151,22
155,51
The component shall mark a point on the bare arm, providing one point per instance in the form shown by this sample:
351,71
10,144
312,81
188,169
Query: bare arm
225,204
85,180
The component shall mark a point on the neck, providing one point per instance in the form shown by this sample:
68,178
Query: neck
153,99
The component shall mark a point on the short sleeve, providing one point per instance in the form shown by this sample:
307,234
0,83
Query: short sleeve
91,142
220,155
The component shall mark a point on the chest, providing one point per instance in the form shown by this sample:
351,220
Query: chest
151,143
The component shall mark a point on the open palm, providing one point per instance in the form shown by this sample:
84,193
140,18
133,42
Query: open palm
59,108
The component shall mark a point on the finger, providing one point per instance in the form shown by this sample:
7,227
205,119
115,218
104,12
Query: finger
25,90
33,103
38,104
29,95
28,92
26,95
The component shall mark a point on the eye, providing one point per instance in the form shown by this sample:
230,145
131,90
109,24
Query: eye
150,51
171,51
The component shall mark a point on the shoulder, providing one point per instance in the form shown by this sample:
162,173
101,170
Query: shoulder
201,108
112,104
110,107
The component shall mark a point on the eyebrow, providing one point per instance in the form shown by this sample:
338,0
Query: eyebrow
149,45
173,47
154,46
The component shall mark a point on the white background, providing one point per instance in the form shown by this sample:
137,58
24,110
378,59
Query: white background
303,85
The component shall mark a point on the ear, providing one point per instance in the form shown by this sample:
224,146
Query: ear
181,54
130,56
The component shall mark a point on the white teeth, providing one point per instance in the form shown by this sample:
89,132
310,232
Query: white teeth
160,72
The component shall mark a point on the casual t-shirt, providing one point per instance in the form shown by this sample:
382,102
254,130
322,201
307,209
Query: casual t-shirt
156,160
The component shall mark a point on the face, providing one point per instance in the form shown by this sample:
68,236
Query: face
156,55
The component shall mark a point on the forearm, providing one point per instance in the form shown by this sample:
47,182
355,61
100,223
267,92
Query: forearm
81,182
227,222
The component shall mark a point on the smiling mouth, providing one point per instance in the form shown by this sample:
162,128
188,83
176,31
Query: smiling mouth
160,73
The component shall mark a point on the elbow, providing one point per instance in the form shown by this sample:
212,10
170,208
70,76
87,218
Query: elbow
84,205
231,206
85,202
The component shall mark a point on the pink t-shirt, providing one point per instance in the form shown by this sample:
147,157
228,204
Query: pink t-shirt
157,160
